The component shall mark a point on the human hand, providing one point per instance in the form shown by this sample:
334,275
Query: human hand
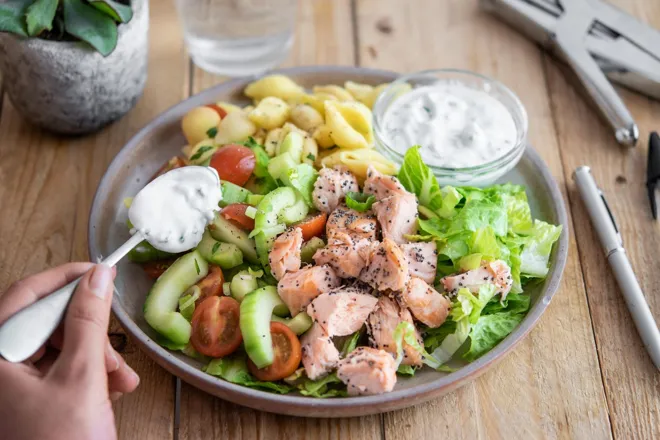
65,390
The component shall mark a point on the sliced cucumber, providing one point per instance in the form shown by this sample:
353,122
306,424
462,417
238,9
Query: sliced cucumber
256,310
309,248
279,165
294,213
293,144
243,283
232,193
224,231
266,224
145,252
225,255
299,324
163,299
254,199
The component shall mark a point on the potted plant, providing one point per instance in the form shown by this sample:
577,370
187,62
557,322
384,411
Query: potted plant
73,66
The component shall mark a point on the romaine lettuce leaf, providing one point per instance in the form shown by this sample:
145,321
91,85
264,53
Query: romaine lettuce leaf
477,214
517,208
417,178
488,331
536,251
406,370
351,343
513,303
234,369
328,386
359,202
433,337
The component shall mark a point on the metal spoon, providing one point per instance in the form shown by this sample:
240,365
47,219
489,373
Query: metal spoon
26,331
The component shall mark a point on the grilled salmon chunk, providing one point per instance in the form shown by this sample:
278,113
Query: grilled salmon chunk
495,272
422,260
331,188
343,311
298,289
425,303
395,208
285,255
381,325
367,371
344,223
387,266
319,354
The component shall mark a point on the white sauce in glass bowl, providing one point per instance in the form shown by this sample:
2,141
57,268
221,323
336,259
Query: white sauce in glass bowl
172,211
455,125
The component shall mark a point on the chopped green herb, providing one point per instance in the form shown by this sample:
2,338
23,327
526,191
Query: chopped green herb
359,201
310,156
201,151
215,247
211,132
197,267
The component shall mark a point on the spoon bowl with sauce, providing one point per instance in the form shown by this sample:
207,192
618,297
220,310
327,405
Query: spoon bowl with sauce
470,128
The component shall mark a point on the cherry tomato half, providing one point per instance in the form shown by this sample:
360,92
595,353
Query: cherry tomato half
235,213
287,354
221,111
215,331
313,225
234,163
211,284
155,269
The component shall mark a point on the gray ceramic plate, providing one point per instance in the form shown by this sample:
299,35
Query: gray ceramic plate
162,139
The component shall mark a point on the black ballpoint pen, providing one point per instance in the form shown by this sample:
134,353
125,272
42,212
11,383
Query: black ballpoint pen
653,171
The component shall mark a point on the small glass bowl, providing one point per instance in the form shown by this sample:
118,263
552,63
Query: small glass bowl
481,175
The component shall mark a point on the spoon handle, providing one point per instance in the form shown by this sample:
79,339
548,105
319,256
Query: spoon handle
26,331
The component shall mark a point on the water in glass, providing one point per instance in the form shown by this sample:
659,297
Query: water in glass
237,37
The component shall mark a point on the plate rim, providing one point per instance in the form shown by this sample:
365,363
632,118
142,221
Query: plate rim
334,407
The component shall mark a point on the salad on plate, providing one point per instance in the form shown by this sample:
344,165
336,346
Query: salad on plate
329,270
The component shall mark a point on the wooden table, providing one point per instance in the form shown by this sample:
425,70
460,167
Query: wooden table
582,373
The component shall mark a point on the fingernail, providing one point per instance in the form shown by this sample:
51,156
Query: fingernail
115,395
99,284
135,376
113,356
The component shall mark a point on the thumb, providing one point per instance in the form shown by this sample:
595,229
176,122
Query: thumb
85,328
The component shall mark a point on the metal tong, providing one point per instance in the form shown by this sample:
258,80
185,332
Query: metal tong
598,41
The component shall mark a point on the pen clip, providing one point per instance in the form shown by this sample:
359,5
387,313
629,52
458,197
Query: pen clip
609,212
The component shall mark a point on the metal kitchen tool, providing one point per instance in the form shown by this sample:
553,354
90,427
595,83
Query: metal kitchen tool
598,41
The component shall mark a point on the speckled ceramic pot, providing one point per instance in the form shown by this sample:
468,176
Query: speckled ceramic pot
68,87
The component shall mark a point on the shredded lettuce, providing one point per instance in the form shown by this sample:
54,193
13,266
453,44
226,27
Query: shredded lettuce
359,201
234,369
536,251
406,370
417,178
488,331
351,343
328,386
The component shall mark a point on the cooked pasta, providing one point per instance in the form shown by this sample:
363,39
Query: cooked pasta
306,117
197,122
350,124
279,86
357,161
310,150
273,139
271,112
235,127
332,90
322,136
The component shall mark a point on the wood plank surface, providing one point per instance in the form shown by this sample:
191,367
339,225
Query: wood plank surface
323,36
47,183
631,381
535,392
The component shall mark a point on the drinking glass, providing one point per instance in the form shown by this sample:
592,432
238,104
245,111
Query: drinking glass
237,37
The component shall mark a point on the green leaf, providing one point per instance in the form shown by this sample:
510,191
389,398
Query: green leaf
359,201
211,132
234,369
417,178
90,25
513,303
536,251
477,214
164,342
406,370
187,302
197,267
40,16
350,344
329,386
11,16
117,11
200,152
311,157
434,336
215,248
488,331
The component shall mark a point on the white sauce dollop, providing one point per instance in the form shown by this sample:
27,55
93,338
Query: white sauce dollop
172,211
455,125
